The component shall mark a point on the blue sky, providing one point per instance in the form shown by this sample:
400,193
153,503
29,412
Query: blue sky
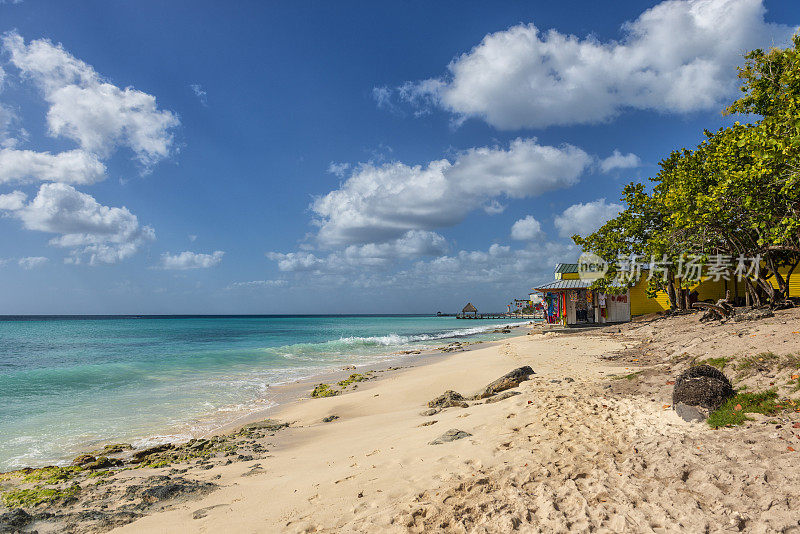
319,157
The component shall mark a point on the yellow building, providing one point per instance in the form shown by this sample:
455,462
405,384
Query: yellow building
571,301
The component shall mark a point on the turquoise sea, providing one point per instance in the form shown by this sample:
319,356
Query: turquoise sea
69,383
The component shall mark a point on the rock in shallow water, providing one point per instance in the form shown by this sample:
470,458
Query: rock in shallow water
451,435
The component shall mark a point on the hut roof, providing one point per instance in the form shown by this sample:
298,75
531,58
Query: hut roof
469,308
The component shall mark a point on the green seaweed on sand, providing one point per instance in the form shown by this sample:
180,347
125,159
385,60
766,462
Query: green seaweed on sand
764,402
323,390
352,379
52,475
28,497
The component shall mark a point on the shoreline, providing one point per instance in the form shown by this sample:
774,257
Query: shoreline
277,396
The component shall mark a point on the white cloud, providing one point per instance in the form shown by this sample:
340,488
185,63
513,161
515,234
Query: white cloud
12,201
200,93
511,269
619,161
100,233
258,284
190,260
493,207
383,98
96,114
527,229
379,203
32,262
413,244
338,169
74,166
679,56
583,219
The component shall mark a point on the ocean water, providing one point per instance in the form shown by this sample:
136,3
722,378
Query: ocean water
68,384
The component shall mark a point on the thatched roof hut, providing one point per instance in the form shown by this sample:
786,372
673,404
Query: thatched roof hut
469,308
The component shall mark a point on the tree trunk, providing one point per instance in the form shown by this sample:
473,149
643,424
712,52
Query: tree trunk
752,295
671,293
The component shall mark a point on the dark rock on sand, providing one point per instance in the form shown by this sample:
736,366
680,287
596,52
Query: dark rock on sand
171,488
269,425
102,463
690,413
503,396
138,456
703,387
14,520
330,418
447,399
114,448
507,381
83,459
451,435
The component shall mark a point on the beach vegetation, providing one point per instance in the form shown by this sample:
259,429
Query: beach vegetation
323,390
719,363
734,411
735,195
767,361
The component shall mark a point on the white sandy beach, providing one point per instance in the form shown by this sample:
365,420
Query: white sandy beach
562,456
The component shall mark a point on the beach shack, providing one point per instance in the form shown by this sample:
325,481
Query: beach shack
570,301
469,308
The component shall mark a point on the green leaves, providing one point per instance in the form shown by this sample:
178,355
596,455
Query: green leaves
737,192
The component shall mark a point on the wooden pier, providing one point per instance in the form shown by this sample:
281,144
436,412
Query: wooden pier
487,316
499,316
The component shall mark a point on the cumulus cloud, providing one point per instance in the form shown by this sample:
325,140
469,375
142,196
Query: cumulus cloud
379,203
493,207
89,110
95,233
498,265
190,260
258,284
583,219
526,229
413,244
32,262
296,261
12,201
74,167
679,56
619,161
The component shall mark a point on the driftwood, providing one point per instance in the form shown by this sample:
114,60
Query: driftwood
723,309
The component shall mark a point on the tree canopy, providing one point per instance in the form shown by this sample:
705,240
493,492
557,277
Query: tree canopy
733,196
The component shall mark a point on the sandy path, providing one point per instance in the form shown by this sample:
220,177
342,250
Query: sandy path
559,457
